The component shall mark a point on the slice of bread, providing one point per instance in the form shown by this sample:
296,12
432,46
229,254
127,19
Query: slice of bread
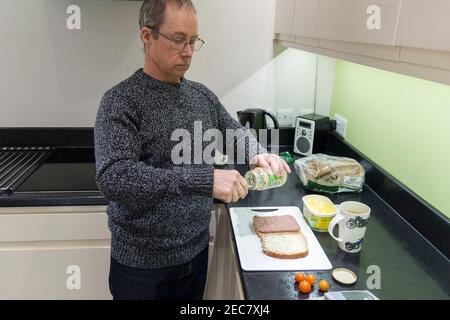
291,245
275,224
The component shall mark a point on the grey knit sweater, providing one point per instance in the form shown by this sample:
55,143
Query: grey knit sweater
158,212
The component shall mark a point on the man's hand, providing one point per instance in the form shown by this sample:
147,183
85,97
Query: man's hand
270,162
229,186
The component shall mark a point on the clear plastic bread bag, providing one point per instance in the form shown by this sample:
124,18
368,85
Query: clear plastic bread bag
330,174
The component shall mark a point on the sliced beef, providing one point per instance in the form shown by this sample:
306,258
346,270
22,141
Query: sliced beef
275,224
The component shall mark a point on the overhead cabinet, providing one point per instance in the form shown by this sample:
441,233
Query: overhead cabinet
404,36
305,18
364,21
424,24
284,17
297,20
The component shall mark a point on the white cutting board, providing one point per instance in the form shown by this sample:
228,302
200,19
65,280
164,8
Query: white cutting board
250,250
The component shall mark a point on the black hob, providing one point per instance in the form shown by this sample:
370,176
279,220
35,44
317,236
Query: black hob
65,170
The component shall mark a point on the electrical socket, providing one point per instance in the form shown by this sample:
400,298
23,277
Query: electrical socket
341,125
286,117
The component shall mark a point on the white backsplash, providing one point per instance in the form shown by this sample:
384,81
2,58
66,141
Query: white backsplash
55,77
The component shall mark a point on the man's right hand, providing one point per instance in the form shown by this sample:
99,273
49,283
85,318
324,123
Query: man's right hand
229,185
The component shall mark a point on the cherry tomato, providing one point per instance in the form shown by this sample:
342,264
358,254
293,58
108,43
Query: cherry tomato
311,279
324,286
299,277
304,287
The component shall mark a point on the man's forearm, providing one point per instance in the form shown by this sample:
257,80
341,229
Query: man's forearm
126,181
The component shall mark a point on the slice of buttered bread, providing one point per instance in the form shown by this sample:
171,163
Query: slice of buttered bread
285,245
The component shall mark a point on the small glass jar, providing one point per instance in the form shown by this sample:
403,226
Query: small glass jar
261,179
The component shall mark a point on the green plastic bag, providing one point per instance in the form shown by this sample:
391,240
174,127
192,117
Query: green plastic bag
286,156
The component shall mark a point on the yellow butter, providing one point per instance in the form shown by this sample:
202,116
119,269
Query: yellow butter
320,205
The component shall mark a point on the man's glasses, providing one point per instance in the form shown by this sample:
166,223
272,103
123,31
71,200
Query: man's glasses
180,44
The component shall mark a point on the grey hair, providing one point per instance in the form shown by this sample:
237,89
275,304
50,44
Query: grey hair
152,13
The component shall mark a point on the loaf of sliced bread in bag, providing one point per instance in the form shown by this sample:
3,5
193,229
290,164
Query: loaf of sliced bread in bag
285,245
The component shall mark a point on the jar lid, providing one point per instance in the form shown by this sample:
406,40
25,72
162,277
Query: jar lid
344,276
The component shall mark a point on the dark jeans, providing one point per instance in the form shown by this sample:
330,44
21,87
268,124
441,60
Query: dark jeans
182,282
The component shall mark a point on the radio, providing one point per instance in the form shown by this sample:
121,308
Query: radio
311,133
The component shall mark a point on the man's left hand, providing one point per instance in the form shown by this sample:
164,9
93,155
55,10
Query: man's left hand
270,161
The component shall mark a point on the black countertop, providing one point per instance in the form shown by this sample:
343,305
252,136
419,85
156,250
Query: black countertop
53,199
65,169
411,268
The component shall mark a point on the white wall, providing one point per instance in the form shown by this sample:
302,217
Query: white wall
325,83
53,77
237,62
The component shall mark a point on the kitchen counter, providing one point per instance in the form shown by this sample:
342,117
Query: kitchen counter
53,199
65,178
410,267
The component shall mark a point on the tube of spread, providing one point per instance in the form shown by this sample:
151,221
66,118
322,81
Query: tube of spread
260,179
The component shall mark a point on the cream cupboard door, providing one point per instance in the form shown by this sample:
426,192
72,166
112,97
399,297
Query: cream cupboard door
223,277
305,19
284,16
364,21
55,270
54,253
424,24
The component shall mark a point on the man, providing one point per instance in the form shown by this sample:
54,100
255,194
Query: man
159,212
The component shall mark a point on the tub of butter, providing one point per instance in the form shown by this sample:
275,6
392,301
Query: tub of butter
318,211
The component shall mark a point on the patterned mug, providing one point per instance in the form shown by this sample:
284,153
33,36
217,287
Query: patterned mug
352,219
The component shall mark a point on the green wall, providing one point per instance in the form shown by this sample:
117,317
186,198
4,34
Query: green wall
401,123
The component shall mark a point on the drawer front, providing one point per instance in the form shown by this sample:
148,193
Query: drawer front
53,223
56,270
365,21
